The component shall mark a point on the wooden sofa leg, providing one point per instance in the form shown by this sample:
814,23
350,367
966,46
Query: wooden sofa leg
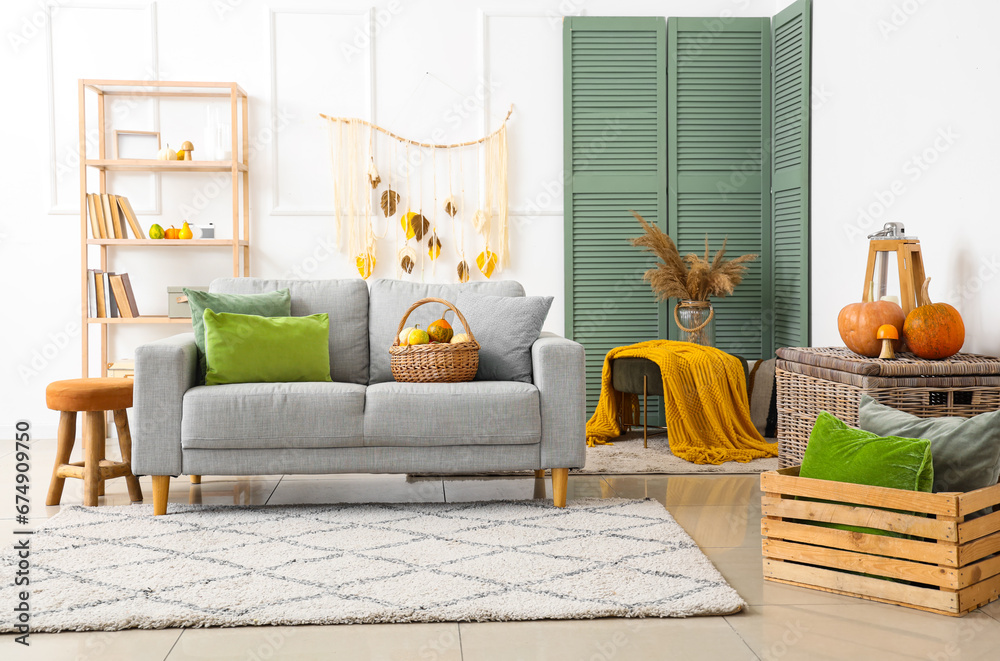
196,479
540,473
161,489
560,482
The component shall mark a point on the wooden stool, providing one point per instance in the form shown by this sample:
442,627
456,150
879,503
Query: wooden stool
94,397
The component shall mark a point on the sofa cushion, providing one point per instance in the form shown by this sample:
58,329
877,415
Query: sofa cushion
346,301
391,298
265,304
505,328
472,413
966,451
273,415
244,348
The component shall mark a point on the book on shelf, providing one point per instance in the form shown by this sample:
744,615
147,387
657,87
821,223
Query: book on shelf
111,309
100,294
109,232
112,217
124,297
92,293
95,226
133,220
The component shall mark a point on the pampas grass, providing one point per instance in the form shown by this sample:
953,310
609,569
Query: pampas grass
692,277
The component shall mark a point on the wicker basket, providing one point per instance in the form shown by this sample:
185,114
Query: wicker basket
833,379
434,363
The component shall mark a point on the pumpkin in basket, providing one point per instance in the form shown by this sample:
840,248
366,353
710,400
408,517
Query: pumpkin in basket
859,323
437,361
934,330
441,331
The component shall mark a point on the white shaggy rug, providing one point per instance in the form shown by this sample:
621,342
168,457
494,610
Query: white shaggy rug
110,568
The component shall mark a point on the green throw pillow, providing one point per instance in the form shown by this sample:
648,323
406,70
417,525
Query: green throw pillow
838,452
243,348
269,304
966,451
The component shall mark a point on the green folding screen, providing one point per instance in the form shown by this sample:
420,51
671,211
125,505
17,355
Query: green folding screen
719,171
687,123
790,178
615,131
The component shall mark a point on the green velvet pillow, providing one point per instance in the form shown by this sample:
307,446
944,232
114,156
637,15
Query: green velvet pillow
244,348
269,304
966,451
838,452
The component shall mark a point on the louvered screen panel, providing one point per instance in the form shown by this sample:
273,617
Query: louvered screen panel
615,141
719,171
790,178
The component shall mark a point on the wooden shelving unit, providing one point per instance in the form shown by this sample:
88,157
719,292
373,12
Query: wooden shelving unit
238,167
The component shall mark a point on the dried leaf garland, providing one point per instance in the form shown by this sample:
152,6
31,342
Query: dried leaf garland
487,261
373,177
481,221
451,206
390,199
407,259
434,246
419,225
407,225
463,271
366,264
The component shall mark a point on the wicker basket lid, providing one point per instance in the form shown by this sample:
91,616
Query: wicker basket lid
905,364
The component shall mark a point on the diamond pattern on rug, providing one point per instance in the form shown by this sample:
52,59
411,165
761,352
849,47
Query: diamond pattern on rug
115,568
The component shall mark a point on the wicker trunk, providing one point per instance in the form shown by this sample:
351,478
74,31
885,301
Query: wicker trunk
833,379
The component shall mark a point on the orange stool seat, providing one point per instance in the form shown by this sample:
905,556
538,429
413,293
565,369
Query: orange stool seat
94,397
89,394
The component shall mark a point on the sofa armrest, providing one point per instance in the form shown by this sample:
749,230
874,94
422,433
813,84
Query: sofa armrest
557,366
164,371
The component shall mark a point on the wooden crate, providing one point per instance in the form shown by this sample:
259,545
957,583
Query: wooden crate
833,379
948,566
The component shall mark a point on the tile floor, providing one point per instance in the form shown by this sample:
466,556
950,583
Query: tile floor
721,512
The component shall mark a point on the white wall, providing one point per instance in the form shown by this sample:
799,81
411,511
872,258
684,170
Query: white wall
888,97
905,99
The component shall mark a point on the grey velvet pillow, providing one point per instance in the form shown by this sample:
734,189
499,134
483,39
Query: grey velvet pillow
966,451
505,328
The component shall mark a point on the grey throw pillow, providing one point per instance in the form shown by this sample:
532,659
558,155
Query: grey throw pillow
505,328
966,451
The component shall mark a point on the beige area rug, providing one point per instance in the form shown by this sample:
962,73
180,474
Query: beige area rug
111,568
628,456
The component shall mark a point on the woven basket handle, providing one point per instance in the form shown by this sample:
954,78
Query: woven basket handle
461,317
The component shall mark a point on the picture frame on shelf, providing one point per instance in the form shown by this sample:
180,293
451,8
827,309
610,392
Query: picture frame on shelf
134,144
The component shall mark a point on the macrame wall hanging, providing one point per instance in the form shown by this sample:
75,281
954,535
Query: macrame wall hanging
380,179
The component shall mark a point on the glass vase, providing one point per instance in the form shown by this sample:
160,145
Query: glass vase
696,321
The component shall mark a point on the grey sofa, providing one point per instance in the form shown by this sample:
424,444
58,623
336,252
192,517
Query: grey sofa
364,421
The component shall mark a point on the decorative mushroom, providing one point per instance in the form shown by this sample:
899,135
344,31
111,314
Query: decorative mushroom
887,333
184,153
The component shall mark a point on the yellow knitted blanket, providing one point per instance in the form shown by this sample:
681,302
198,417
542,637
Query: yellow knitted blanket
705,401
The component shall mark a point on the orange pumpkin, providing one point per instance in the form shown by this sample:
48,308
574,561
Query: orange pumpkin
859,323
934,330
